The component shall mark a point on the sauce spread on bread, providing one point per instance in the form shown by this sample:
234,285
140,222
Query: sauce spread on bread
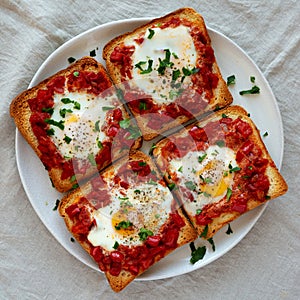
193,162
167,78
75,120
127,220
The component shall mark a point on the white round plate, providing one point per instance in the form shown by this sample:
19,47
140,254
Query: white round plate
262,107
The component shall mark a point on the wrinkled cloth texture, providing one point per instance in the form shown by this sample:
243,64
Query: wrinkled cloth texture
264,265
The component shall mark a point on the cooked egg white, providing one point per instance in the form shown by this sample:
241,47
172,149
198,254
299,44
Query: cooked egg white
144,206
206,174
183,54
79,137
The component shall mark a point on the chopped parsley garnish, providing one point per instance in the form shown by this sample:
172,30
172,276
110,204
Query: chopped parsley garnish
144,233
190,185
204,232
267,197
97,127
211,241
72,240
76,105
171,186
124,123
71,59
142,105
66,100
265,134
91,159
149,68
205,180
76,73
175,74
175,55
48,110
252,79
224,116
142,164
59,124
188,72
151,33
229,230
106,108
67,139
180,169
230,80
165,63
235,169
137,191
64,111
220,143
202,157
139,65
197,254
116,245
50,131
254,90
93,53
56,204
205,194
198,211
228,193
99,144
73,178
123,225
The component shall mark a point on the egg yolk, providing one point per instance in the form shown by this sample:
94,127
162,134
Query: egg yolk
215,180
126,221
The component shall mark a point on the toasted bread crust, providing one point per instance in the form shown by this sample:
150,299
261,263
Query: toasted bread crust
221,95
277,187
186,234
21,113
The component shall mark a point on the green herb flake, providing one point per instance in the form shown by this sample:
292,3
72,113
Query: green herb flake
76,105
235,169
73,178
72,240
91,159
67,139
48,110
152,148
142,164
220,143
124,123
265,134
137,191
116,245
76,73
190,185
229,230
252,79
142,105
106,108
97,127
175,55
66,100
123,225
144,233
71,59
139,65
93,53
151,33
171,186
198,211
254,90
202,157
230,80
197,254
56,205
149,69
175,74
204,232
99,144
165,63
224,116
180,169
228,194
152,182
59,124
157,216
50,131
64,111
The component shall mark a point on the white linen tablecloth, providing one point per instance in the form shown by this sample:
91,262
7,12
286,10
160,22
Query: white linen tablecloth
264,265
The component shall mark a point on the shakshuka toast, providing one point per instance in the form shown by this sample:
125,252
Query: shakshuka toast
75,122
219,168
126,219
167,71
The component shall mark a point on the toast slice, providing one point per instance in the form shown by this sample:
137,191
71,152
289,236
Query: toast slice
219,169
126,219
75,122
167,71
